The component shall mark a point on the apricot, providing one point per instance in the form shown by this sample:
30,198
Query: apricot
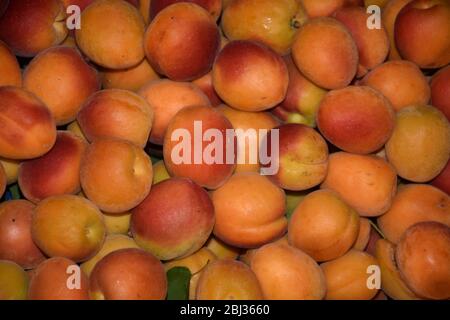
372,44
115,174
68,226
303,157
325,52
414,203
174,220
16,243
356,119
117,223
182,41
11,168
111,34
51,278
249,149
419,147
423,257
222,250
30,26
440,91
112,243
423,22
366,183
228,280
401,82
321,8
61,78
347,277
55,173
188,155
249,211
273,23
28,129
286,273
249,76
388,17
144,278
11,74
131,79
166,98
323,226
303,96
214,7
205,83
362,240
13,281
391,281
116,113
442,181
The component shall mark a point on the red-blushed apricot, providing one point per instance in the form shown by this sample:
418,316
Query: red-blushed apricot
128,274
13,280
61,78
372,44
303,97
391,281
422,33
221,249
112,243
367,183
16,243
388,17
115,174
249,76
414,203
166,98
128,79
419,147
356,119
287,273
111,34
363,238
30,26
182,41
58,279
423,258
205,84
440,91
442,181
325,52
323,226
11,168
249,211
11,74
55,173
116,113
188,155
401,82
28,129
322,8
273,23
174,220
214,7
347,277
68,226
249,149
117,223
302,159
228,280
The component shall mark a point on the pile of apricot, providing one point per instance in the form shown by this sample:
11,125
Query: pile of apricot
95,206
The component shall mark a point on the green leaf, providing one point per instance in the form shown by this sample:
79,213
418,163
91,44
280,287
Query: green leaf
178,279
15,191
